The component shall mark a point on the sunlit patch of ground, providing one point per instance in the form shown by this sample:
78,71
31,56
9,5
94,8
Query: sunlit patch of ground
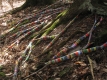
6,6
5,57
8,57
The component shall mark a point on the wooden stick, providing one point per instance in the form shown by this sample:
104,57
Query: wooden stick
55,39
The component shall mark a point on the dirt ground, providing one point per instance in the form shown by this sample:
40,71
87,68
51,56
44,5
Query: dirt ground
78,68
6,6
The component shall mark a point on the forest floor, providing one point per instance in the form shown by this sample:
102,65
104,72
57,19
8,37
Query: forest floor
6,6
78,68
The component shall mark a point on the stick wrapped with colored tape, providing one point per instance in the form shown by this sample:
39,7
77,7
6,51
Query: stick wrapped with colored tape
77,53
75,44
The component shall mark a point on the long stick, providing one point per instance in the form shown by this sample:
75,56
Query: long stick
94,26
55,39
31,45
38,13
70,56
77,53
25,35
75,43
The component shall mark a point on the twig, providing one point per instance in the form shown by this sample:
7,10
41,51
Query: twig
90,35
90,61
37,12
91,67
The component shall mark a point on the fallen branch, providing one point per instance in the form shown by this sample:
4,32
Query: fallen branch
92,29
30,46
46,28
77,53
75,43
70,56
55,39
25,35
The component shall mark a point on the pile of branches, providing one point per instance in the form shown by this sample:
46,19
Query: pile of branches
36,28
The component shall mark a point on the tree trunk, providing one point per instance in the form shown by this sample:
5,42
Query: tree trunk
32,3
96,6
36,2
79,6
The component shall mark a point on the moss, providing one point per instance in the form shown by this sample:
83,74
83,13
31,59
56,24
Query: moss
56,23
62,14
94,6
2,74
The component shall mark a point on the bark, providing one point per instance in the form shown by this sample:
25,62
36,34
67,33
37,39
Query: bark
29,3
79,6
94,6
36,2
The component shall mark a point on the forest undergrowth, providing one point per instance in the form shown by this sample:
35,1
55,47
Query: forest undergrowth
36,45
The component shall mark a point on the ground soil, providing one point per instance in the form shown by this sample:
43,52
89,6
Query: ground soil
77,68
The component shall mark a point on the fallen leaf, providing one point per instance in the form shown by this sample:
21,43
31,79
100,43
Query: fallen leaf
80,63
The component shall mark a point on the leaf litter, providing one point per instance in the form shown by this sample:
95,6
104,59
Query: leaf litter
75,69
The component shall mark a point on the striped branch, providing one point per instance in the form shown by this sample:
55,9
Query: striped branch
56,38
76,43
77,53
